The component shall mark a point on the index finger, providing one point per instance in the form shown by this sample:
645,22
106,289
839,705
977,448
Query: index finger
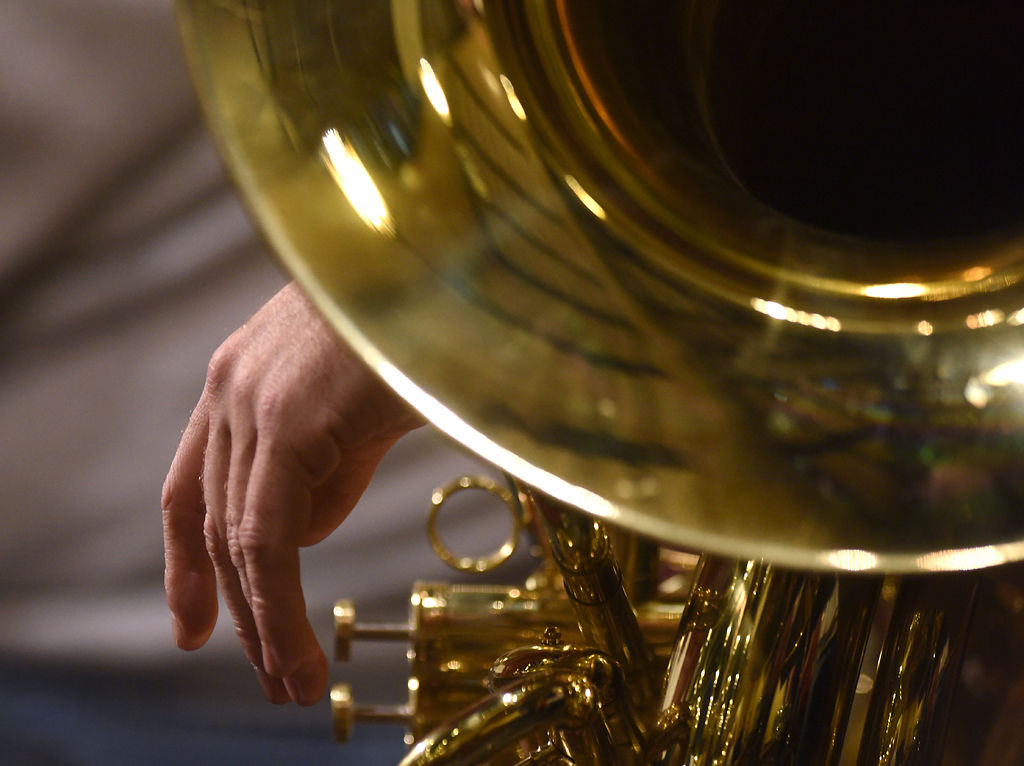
188,573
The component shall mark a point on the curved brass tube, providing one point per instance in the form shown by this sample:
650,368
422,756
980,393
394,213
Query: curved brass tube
537,703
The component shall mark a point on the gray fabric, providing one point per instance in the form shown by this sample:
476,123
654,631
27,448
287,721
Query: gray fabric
124,260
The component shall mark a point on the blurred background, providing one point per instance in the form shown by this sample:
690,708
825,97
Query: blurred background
125,260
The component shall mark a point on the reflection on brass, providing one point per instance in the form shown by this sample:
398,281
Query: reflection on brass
587,241
582,550
346,629
919,669
468,563
341,712
345,713
763,671
741,277
455,633
639,561
765,666
554,699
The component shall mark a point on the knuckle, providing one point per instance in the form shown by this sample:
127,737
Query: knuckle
168,496
250,644
305,447
211,536
226,372
270,410
309,450
177,495
235,551
218,371
254,544
169,502
179,501
314,461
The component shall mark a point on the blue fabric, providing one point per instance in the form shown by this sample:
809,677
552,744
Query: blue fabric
101,718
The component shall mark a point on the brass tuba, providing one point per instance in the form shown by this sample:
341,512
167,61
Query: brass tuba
738,276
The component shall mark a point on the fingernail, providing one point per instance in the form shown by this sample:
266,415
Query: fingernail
295,690
303,685
273,689
271,662
177,630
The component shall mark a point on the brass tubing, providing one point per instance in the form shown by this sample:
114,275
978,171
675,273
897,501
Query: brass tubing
918,671
761,661
394,714
549,758
702,702
638,559
382,631
594,665
537,703
458,630
583,553
582,550
835,682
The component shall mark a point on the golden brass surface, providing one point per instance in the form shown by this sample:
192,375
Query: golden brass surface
765,667
456,632
537,702
342,711
441,496
559,230
345,713
919,667
741,277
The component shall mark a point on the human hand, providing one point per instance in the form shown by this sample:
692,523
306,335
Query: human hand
284,440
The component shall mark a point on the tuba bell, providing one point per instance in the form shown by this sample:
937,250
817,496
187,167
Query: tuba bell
732,293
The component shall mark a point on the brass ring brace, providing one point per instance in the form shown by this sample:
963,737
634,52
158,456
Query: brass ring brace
469,563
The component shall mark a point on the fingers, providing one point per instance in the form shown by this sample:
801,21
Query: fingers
256,510
225,475
342,491
241,615
276,516
235,481
188,573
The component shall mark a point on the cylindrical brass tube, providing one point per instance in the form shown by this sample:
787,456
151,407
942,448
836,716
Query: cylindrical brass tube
827,713
763,659
918,671
582,550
